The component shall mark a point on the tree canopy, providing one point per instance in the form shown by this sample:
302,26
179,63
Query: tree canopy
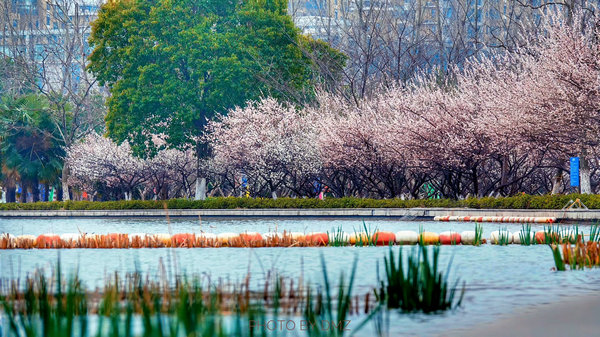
30,146
172,65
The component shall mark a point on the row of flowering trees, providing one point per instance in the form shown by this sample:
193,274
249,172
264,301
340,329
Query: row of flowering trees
502,124
106,170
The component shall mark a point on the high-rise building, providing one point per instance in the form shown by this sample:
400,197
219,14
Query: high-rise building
48,38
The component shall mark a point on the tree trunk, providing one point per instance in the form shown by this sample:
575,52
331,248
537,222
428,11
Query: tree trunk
274,195
59,194
475,180
557,182
46,192
65,185
23,198
164,192
35,190
200,189
504,175
11,194
584,174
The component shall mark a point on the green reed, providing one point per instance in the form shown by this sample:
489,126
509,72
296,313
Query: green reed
370,238
419,286
503,236
135,306
595,233
526,237
337,238
478,235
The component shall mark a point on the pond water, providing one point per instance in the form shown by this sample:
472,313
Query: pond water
499,279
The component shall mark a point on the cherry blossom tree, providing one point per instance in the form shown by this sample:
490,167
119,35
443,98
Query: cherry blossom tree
269,142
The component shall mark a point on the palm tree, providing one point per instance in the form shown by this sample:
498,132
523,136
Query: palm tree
29,142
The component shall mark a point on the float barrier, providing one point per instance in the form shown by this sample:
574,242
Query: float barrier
504,219
281,239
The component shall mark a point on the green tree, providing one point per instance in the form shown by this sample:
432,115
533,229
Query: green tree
30,146
172,65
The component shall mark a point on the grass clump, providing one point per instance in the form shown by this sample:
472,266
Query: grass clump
503,237
578,256
594,233
136,306
337,238
478,235
367,237
331,309
419,286
526,237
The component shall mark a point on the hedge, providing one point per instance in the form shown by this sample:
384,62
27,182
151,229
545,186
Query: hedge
516,202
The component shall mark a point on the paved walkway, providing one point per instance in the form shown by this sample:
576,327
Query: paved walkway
576,317
399,213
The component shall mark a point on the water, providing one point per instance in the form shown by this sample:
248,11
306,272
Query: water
499,279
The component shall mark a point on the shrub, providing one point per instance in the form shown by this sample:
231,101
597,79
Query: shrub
516,202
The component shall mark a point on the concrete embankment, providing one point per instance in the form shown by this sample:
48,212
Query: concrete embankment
396,213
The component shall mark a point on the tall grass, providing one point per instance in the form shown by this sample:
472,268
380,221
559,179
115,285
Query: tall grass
337,238
369,238
579,256
135,306
552,235
418,286
595,233
525,236
478,235
332,310
503,236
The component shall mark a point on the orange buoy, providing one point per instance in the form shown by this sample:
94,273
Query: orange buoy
317,238
540,237
429,238
383,238
181,239
47,241
450,238
7,241
251,237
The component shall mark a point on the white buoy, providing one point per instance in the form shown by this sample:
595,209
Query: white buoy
207,236
226,237
518,237
295,235
467,237
496,236
407,237
70,237
140,236
272,235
